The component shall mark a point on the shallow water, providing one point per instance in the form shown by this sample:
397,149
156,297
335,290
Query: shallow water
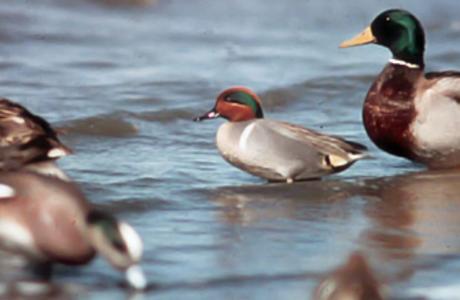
124,80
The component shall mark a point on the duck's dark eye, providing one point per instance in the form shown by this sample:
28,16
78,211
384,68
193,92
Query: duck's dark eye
388,19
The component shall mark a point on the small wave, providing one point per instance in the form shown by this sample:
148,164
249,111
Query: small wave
288,95
131,206
279,97
93,64
126,2
165,116
338,83
231,280
102,125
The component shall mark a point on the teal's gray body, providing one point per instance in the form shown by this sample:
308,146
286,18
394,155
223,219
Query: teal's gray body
279,151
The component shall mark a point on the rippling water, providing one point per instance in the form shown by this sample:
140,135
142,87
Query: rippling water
123,79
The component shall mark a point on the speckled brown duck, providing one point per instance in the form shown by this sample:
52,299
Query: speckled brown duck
274,150
408,112
36,143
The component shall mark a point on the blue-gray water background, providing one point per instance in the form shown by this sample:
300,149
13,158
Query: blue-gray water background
125,80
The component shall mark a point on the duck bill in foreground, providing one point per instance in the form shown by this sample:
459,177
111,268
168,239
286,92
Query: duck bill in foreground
119,244
365,37
136,278
212,114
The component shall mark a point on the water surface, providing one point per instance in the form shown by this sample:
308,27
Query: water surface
124,79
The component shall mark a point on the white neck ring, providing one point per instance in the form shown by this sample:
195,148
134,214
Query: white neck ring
395,61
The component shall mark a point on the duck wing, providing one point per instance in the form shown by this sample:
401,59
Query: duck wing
326,144
437,119
15,157
446,83
441,75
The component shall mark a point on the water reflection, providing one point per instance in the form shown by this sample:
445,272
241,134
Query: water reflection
409,223
39,290
352,281
414,223
417,212
251,204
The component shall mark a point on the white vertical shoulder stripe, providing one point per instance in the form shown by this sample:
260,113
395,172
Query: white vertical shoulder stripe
245,136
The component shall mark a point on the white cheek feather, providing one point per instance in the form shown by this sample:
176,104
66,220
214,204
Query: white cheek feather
6,191
18,120
245,136
132,239
56,152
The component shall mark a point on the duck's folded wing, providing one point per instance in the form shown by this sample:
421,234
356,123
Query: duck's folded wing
18,126
326,144
445,83
22,118
437,121
15,157
442,75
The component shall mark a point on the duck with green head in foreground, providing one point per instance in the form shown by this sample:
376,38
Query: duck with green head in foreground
408,112
47,220
274,150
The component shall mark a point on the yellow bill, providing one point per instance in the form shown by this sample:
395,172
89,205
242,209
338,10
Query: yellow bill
365,37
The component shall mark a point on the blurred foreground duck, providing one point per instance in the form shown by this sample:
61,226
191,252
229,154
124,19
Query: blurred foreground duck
352,281
33,140
275,150
407,112
47,220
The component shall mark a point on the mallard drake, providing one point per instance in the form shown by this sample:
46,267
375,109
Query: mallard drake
47,220
407,112
32,138
274,150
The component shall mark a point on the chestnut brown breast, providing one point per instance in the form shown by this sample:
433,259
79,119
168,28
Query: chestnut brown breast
389,109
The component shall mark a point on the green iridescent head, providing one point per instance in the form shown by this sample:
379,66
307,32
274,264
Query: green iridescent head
399,31
235,104
402,33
